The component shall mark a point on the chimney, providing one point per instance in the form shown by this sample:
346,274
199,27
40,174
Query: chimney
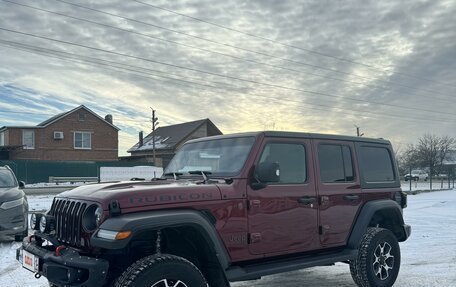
108,118
141,139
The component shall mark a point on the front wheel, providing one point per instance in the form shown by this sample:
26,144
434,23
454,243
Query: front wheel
161,270
378,260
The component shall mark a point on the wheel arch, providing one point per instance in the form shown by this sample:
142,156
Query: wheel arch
137,223
176,227
383,213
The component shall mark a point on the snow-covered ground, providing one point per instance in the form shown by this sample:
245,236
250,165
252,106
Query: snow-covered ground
428,256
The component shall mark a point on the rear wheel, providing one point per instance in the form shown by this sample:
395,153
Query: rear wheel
378,260
161,271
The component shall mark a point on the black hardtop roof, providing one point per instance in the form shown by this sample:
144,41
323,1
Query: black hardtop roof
298,135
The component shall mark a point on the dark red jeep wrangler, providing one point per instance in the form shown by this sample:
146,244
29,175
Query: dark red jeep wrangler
231,208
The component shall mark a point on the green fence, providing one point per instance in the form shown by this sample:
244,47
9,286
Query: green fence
34,171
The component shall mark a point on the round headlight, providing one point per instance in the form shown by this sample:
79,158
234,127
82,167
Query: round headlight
35,221
47,224
43,224
98,215
92,217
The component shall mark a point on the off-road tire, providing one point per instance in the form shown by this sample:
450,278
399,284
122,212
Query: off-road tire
376,241
151,270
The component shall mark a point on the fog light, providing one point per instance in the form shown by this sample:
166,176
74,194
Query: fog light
47,224
35,221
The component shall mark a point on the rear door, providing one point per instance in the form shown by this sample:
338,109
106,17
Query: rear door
339,190
283,216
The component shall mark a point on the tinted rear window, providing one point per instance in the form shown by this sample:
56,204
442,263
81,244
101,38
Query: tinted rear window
335,163
377,164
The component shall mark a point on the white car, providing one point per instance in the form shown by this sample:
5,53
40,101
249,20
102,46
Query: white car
417,175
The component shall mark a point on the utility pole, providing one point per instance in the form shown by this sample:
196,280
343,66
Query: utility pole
155,123
357,132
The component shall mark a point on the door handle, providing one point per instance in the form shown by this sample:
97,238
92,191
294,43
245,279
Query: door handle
306,200
351,197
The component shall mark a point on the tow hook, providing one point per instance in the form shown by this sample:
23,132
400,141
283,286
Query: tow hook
58,250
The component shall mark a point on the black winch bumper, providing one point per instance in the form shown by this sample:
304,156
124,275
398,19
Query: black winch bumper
65,267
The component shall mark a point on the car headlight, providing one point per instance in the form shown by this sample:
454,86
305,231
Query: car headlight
47,223
12,203
91,218
35,221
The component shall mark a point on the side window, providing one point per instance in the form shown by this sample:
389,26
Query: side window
291,159
377,164
335,163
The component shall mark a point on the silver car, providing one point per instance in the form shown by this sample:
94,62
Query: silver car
13,206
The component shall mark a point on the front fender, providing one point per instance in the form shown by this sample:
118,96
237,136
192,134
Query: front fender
137,222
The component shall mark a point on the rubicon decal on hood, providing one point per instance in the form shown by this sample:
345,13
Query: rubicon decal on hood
170,197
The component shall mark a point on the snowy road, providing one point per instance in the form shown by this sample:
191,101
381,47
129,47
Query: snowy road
428,257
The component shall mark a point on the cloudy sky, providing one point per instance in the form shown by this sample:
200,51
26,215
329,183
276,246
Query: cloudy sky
388,67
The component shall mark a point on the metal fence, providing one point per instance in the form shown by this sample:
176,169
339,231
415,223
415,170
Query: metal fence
35,171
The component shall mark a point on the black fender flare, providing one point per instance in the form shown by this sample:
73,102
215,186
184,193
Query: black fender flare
367,213
150,220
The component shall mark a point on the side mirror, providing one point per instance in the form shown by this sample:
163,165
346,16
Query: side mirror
266,172
21,184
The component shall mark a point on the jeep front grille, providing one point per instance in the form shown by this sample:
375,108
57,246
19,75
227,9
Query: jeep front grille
68,217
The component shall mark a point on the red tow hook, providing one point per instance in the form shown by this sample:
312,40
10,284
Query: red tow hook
59,249
30,238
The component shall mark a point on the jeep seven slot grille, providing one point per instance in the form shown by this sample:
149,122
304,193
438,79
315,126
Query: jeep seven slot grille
68,220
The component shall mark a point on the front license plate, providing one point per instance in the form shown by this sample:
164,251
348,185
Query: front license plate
30,261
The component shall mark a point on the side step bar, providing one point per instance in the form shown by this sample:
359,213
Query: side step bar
255,271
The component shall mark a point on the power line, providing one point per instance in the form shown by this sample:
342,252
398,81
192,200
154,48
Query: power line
215,52
246,50
214,74
57,54
306,106
288,45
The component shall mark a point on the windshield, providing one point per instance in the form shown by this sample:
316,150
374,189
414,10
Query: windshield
6,178
219,157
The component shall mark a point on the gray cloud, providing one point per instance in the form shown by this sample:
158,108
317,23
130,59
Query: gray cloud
397,38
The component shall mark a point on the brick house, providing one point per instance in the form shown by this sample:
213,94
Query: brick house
79,134
169,139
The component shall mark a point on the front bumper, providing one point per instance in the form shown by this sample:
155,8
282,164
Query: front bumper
13,221
68,269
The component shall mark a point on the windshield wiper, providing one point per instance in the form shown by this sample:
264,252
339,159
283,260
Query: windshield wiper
204,173
174,174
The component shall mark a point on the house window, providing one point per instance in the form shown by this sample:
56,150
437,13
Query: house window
82,140
82,117
28,139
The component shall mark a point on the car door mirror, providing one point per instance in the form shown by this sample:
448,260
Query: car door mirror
21,184
266,172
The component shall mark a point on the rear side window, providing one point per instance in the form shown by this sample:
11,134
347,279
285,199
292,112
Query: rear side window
291,159
377,164
335,163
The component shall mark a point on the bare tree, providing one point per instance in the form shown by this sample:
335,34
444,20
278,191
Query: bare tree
407,158
446,144
427,152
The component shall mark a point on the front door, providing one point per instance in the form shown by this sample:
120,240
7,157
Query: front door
283,216
339,190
